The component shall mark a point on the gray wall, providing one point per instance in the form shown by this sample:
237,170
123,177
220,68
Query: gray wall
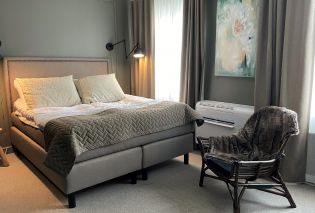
227,89
81,28
65,28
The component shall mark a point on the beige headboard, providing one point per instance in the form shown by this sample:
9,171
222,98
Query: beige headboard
49,67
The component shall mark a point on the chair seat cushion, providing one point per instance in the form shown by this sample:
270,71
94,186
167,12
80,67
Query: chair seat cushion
219,166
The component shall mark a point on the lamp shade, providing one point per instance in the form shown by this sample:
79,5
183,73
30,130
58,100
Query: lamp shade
138,53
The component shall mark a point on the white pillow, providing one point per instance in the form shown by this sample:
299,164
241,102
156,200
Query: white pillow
100,88
20,106
19,90
49,92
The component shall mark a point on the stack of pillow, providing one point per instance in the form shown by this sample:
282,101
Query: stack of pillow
66,92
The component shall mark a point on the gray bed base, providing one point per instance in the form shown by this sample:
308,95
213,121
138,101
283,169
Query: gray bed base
94,171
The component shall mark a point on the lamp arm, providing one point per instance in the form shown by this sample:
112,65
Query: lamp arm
135,47
122,41
110,46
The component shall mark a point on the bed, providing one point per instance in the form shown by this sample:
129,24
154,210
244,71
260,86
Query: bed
98,165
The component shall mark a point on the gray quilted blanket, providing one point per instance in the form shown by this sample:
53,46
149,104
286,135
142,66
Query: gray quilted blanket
68,137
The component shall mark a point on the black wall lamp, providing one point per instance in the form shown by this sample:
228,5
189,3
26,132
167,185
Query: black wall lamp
136,50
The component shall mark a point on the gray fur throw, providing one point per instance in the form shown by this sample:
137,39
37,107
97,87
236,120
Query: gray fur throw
262,138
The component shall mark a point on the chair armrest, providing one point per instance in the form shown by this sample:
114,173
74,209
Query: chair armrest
279,157
256,162
203,138
203,141
204,145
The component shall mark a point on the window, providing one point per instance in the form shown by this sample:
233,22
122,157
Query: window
168,47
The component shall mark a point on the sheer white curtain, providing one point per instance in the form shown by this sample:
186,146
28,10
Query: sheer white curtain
168,46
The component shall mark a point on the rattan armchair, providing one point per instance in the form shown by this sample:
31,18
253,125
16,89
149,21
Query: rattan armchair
255,152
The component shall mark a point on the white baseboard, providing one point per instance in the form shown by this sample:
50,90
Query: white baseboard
310,178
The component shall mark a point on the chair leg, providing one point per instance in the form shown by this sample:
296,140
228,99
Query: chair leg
186,158
236,198
287,193
202,174
236,203
71,200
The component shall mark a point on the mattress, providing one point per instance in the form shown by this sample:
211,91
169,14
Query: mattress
39,117
38,136
34,133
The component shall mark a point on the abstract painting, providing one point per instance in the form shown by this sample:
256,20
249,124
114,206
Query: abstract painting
236,38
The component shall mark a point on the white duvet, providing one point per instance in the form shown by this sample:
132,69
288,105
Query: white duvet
40,116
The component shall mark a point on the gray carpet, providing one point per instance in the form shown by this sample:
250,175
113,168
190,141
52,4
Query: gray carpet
171,187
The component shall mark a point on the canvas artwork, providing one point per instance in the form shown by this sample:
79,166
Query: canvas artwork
236,38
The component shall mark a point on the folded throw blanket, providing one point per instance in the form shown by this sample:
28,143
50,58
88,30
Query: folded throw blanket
68,137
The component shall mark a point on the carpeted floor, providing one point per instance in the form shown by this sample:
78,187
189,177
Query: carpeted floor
171,187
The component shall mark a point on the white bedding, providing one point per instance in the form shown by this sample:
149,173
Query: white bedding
38,117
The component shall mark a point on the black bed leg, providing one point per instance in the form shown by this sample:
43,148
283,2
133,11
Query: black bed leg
144,174
186,158
71,200
133,178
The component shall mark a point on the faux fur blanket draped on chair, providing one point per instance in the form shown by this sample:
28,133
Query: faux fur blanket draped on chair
261,138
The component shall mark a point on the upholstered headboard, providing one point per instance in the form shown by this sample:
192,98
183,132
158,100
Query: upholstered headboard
49,67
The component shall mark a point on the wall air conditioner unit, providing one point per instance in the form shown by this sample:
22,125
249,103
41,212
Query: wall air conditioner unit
222,118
